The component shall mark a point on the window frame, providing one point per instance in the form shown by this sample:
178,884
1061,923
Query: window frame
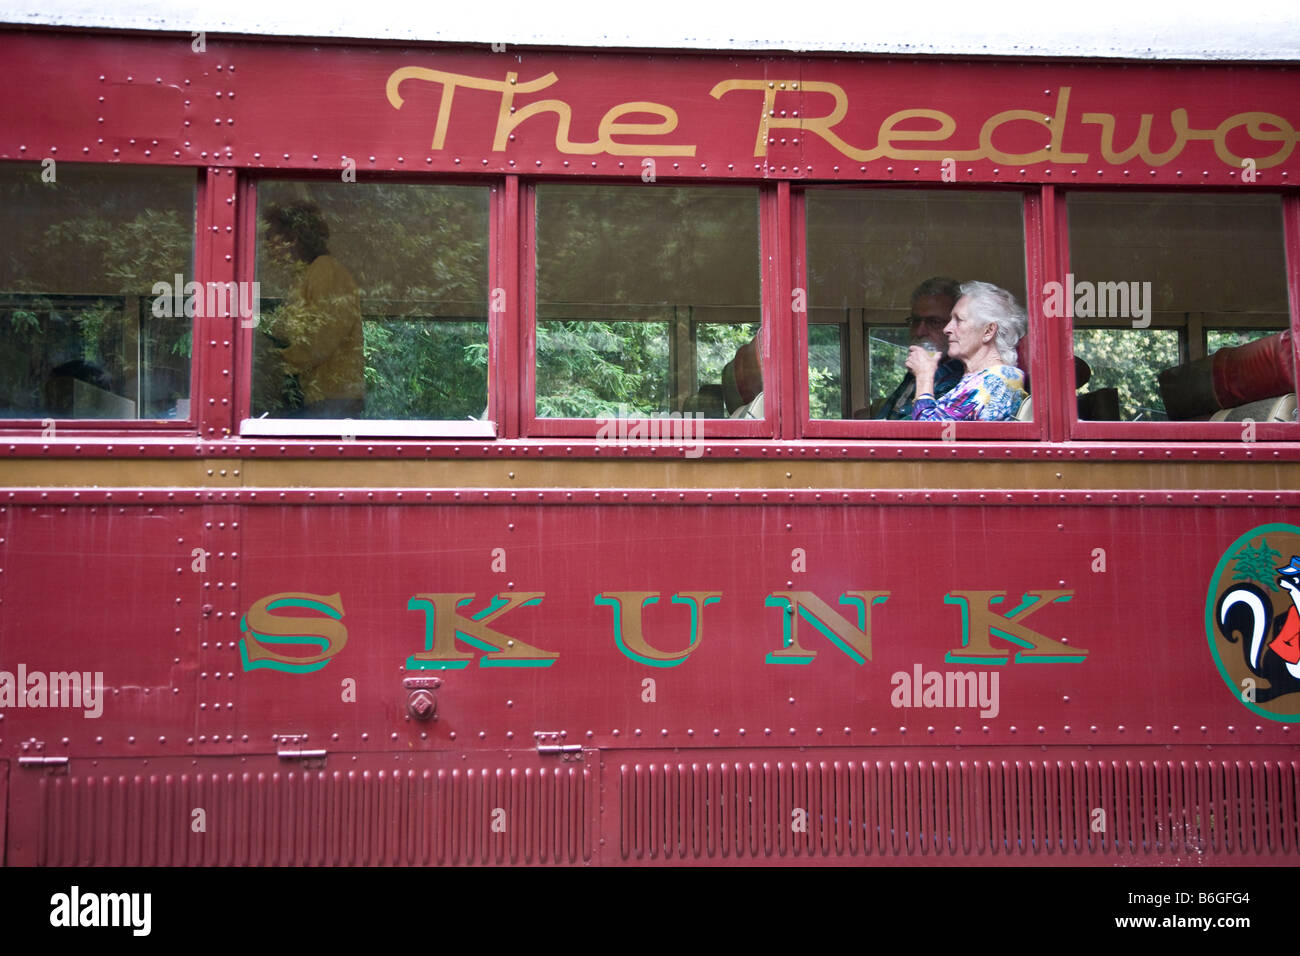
348,428
883,432
48,426
225,223
534,426
1179,432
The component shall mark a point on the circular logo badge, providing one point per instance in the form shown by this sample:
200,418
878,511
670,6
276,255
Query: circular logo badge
1252,618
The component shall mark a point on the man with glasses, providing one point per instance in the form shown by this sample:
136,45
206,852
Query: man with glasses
932,304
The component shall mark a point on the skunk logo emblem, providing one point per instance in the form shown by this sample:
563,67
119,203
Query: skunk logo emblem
1253,620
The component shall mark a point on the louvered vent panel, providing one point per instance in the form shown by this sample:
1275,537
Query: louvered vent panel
294,817
679,811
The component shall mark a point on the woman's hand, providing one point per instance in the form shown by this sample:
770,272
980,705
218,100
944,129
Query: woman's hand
923,363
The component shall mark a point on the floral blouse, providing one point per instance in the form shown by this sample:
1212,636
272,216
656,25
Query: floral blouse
993,395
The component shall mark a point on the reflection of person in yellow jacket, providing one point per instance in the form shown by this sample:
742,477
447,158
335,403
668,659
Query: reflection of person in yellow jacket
321,317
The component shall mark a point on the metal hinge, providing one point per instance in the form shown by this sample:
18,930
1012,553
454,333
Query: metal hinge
551,742
33,755
290,747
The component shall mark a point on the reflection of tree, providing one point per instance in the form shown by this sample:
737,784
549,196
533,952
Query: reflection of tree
419,256
81,251
1257,564
616,268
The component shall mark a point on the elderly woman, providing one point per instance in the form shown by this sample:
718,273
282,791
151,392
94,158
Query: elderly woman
986,324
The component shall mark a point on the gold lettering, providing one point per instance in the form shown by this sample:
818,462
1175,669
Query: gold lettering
628,626
892,142
609,128
852,640
328,632
1056,127
449,83
444,624
769,99
1141,145
507,121
980,623
1255,122
888,134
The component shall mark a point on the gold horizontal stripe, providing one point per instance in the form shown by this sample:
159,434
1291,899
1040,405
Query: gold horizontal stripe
655,475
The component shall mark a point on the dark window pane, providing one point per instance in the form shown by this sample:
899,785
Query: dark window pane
374,301
84,332
1160,282
647,300
868,251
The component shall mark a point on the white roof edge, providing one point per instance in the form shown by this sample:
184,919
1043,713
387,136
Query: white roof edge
1115,29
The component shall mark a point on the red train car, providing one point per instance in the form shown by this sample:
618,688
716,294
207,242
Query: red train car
443,453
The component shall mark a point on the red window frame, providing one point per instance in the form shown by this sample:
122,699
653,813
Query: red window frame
1176,431
889,432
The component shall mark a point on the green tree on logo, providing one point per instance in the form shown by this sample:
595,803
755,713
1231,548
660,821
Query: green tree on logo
1257,564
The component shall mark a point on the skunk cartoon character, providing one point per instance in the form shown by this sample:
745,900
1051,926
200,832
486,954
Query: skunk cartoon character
1243,611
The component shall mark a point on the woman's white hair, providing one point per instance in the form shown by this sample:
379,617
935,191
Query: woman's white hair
988,304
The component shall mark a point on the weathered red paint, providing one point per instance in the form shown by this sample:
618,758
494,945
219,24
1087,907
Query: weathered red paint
287,105
103,580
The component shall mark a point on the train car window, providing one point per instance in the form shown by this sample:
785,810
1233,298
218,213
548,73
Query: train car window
93,309
883,266
1179,305
647,301
374,302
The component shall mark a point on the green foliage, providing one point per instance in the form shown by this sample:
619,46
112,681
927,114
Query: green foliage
621,270
1129,360
1216,339
418,255
590,369
716,344
889,347
79,265
425,369
824,373
1257,564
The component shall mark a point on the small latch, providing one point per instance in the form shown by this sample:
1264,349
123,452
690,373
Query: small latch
422,699
290,747
552,742
33,755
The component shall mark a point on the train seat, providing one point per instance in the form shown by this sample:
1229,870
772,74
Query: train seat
1281,409
752,410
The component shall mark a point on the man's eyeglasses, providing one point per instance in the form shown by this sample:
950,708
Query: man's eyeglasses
931,321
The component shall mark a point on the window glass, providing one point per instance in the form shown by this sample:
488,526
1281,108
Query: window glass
647,300
1123,364
374,301
870,252
94,261
1161,282
826,344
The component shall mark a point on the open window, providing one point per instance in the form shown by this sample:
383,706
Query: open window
95,315
374,310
